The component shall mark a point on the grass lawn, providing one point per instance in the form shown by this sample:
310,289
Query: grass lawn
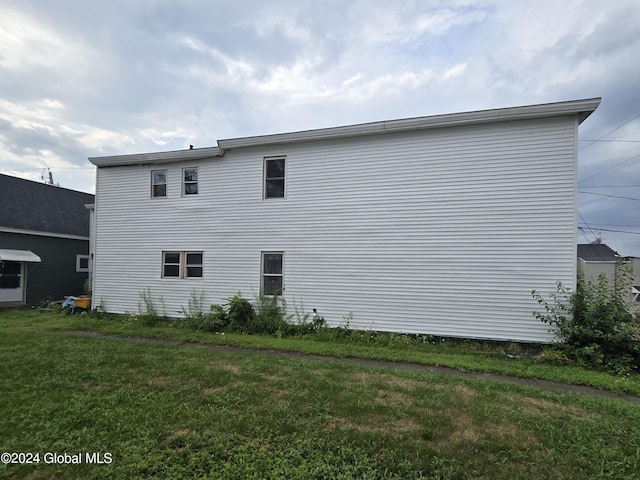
163,411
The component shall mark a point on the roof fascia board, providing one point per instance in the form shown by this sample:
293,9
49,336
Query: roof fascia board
157,157
582,108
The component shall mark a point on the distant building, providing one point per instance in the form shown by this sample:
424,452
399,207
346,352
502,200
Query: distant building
44,241
595,259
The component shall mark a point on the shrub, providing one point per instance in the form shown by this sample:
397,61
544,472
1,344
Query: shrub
240,314
270,316
593,324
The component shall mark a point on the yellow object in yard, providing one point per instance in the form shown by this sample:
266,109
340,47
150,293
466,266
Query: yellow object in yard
84,302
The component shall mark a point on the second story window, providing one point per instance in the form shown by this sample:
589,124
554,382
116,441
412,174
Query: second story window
190,181
158,183
274,177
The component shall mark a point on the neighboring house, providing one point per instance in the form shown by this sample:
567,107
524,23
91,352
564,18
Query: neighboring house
595,259
439,225
44,241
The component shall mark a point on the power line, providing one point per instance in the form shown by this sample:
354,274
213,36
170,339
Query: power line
616,231
622,141
609,168
40,168
582,230
613,196
613,225
614,186
602,136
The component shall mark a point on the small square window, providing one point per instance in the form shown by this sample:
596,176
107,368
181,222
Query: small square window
190,181
82,263
159,183
274,170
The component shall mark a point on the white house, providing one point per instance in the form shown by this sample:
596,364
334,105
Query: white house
440,225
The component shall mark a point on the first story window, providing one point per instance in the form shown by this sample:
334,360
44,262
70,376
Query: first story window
10,274
272,277
82,263
182,264
189,181
158,183
274,177
193,264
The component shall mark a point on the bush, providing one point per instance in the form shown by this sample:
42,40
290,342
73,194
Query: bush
593,324
240,314
271,317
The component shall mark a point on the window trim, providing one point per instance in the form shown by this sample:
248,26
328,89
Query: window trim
20,276
264,177
183,266
263,274
191,182
153,184
79,258
188,265
165,263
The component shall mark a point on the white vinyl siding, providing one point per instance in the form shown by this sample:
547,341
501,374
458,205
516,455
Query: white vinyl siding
443,231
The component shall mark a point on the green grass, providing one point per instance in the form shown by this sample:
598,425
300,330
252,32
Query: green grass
463,355
170,412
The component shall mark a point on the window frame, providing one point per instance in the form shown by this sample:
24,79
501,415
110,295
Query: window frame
266,179
263,274
182,264
165,263
17,277
188,265
189,182
154,184
79,259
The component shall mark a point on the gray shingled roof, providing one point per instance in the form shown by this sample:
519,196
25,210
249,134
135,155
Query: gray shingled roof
28,205
597,252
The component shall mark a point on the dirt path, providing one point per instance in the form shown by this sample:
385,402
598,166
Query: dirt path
531,382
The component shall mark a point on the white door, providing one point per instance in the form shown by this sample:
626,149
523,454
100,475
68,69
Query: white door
11,281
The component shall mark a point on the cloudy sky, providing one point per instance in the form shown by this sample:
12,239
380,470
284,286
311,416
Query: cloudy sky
92,78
